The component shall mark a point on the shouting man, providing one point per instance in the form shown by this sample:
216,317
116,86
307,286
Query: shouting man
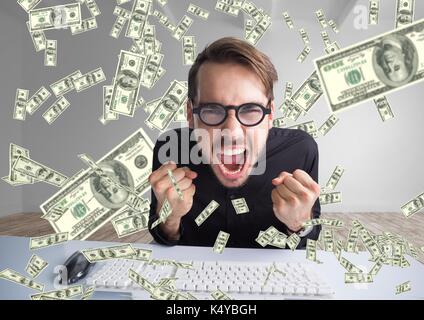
272,173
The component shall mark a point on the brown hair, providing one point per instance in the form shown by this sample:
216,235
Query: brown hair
230,49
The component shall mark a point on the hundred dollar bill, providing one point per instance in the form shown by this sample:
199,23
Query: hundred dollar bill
220,242
181,114
304,36
325,222
240,205
226,8
329,198
106,253
59,294
288,90
164,212
92,7
121,12
13,276
404,12
182,27
413,206
89,79
141,254
130,225
164,262
37,100
373,68
210,208
304,54
309,127
311,250
107,113
219,295
352,239
151,69
333,47
358,278
28,5
50,54
278,123
288,20
56,109
334,178
403,287
48,240
321,18
66,84
308,93
39,171
198,12
338,249
56,17
139,13
88,293
328,240
38,38
266,237
155,292
383,108
373,12
189,50
148,44
36,265
86,25
370,243
164,20
293,241
259,30
293,111
328,124
278,241
21,98
15,152
167,107
333,25
349,266
90,201
126,83
325,38
117,27
376,267
175,184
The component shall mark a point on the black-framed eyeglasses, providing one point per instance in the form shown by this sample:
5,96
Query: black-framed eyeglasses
248,114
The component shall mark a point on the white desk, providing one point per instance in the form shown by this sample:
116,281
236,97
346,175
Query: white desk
15,253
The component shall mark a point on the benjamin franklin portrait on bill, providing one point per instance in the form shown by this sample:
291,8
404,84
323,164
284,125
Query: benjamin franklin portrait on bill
395,60
109,194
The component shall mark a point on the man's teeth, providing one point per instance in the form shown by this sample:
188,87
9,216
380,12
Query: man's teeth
231,152
231,171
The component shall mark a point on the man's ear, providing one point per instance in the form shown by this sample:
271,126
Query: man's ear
189,113
271,115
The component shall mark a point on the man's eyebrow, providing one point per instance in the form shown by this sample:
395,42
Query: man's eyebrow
215,102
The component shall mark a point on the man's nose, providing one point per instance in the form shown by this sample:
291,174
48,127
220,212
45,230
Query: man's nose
231,122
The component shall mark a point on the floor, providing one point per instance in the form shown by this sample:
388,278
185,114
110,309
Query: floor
30,225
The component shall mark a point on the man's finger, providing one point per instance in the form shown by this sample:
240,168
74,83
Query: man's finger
161,171
286,193
295,186
278,180
304,178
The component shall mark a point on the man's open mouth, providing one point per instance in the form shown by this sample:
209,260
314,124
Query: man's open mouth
233,162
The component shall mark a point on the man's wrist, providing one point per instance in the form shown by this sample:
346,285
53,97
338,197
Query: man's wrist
171,229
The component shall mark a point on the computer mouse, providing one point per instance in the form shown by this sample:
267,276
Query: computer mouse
77,267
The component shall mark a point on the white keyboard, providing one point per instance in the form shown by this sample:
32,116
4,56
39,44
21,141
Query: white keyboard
240,280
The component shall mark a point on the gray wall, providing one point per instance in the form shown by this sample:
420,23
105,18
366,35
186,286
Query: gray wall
383,161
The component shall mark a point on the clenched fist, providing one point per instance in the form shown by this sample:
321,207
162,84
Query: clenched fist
163,189
293,198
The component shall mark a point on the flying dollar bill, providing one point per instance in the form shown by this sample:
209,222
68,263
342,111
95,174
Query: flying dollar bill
403,287
288,20
374,67
308,93
413,206
48,240
383,108
56,17
198,12
15,152
59,294
86,25
210,208
36,265
330,197
21,98
240,205
13,276
66,84
39,171
219,295
88,201
37,100
373,12
132,224
139,13
404,12
28,5
89,79
126,83
164,212
56,109
38,38
50,54
221,242
106,253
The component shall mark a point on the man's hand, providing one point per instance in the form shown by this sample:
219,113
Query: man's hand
293,198
164,189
